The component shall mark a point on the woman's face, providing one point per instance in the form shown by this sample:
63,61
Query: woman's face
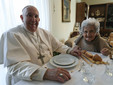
89,33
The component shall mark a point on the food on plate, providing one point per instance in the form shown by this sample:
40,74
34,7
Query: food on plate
96,57
97,62
87,54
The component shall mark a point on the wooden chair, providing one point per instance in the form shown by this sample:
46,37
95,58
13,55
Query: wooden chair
72,38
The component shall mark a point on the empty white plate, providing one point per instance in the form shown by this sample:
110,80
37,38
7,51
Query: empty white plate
63,59
70,61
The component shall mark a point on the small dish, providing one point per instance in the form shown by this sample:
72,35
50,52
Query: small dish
63,59
65,66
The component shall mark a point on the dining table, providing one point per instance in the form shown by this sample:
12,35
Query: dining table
96,74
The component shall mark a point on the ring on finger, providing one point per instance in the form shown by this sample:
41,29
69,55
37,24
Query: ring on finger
60,74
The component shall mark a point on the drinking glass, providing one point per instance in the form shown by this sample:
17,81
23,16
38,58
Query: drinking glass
109,69
87,75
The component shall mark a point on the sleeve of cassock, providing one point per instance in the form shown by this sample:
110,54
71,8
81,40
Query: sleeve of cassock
27,71
59,46
14,56
11,50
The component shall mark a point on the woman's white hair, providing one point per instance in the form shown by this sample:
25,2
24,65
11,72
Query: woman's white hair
92,22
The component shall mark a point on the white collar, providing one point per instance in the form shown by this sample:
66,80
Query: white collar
33,33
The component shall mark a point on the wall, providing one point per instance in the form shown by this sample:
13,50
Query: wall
61,30
89,2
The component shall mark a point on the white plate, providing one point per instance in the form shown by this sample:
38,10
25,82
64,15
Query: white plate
65,66
63,59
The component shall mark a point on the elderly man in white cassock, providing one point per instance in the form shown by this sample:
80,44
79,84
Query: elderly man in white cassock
26,48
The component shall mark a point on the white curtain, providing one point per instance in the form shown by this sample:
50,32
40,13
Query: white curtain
10,11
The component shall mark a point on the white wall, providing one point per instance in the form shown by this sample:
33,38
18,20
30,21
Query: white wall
61,30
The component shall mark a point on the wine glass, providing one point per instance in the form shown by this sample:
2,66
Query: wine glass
109,69
87,75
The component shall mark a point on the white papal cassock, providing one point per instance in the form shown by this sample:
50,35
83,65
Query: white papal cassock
24,53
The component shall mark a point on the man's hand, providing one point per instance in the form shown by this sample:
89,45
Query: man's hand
59,74
76,51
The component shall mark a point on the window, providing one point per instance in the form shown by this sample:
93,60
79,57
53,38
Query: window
10,11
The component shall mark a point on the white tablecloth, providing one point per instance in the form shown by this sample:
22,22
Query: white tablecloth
99,72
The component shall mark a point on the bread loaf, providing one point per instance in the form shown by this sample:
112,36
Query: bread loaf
97,58
87,54
83,51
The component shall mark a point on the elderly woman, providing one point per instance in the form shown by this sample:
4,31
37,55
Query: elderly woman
90,38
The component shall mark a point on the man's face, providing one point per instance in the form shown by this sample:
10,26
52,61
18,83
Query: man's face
89,33
30,18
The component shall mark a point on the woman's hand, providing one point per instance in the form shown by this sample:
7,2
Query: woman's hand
59,74
105,51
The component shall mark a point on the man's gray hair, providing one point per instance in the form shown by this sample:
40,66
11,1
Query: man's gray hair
91,22
27,7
